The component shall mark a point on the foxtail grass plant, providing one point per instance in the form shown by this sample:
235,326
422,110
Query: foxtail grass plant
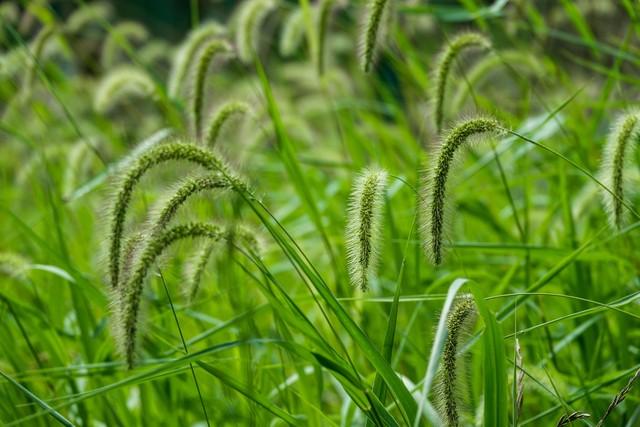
152,158
443,69
211,50
434,185
131,292
120,36
364,228
616,163
459,321
225,113
292,33
119,85
89,13
373,31
252,16
186,56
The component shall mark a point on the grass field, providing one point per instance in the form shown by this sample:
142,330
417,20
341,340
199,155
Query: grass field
321,213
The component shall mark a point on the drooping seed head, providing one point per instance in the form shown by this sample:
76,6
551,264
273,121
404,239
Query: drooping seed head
373,30
14,265
120,35
222,116
187,53
122,83
292,33
212,49
618,157
363,231
154,157
132,291
87,14
447,58
252,16
433,203
190,187
461,317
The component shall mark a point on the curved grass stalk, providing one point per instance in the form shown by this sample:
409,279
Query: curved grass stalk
363,233
617,158
212,49
447,57
154,157
324,14
433,203
374,27
187,53
122,83
222,116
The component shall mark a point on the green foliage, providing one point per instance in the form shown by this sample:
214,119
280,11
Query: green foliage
219,302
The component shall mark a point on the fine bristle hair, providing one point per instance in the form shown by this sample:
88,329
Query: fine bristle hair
120,84
188,51
433,202
118,37
372,32
250,21
131,292
363,230
446,59
292,33
618,158
222,116
459,321
212,49
130,178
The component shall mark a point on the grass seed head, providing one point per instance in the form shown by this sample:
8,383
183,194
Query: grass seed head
212,49
222,116
460,319
618,158
131,293
252,16
187,54
447,58
154,157
374,28
434,201
363,232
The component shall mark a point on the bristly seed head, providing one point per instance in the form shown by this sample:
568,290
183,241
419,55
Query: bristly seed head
373,28
209,52
433,203
363,231
460,319
618,155
220,117
155,156
447,57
